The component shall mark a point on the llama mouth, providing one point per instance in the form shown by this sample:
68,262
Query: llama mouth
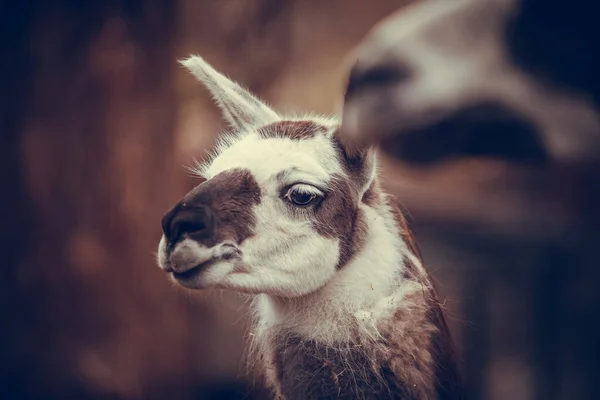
485,130
193,272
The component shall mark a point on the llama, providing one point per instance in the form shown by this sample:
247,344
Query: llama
516,79
295,216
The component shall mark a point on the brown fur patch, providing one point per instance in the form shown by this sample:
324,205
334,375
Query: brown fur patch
372,196
446,379
408,334
357,165
310,370
413,360
225,202
421,353
295,130
338,217
352,243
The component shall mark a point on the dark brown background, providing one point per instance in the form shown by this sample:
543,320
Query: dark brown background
98,120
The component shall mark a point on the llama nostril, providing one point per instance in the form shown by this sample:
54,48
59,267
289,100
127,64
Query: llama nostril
166,221
379,75
188,226
180,221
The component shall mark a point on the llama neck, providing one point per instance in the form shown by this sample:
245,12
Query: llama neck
374,273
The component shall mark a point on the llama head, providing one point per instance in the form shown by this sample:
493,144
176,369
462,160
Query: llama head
276,213
515,79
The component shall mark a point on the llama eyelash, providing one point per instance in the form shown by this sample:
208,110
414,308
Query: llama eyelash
303,188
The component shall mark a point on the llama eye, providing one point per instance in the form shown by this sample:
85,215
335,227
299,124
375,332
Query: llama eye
302,199
302,195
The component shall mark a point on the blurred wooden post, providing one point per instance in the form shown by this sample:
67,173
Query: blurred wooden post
86,132
16,213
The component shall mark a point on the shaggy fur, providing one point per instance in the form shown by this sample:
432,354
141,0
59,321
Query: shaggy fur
399,349
343,307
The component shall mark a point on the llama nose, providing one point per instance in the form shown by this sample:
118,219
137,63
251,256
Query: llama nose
186,219
378,75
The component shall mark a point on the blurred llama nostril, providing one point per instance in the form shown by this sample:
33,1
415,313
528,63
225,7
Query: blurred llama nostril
377,76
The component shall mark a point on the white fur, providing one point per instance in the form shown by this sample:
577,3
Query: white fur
314,159
373,274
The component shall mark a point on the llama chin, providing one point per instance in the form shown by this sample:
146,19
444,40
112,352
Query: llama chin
293,214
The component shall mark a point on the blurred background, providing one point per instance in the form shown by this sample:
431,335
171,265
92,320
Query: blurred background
98,121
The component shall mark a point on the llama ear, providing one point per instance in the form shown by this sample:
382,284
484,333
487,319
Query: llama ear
239,107
360,160
352,147
352,144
